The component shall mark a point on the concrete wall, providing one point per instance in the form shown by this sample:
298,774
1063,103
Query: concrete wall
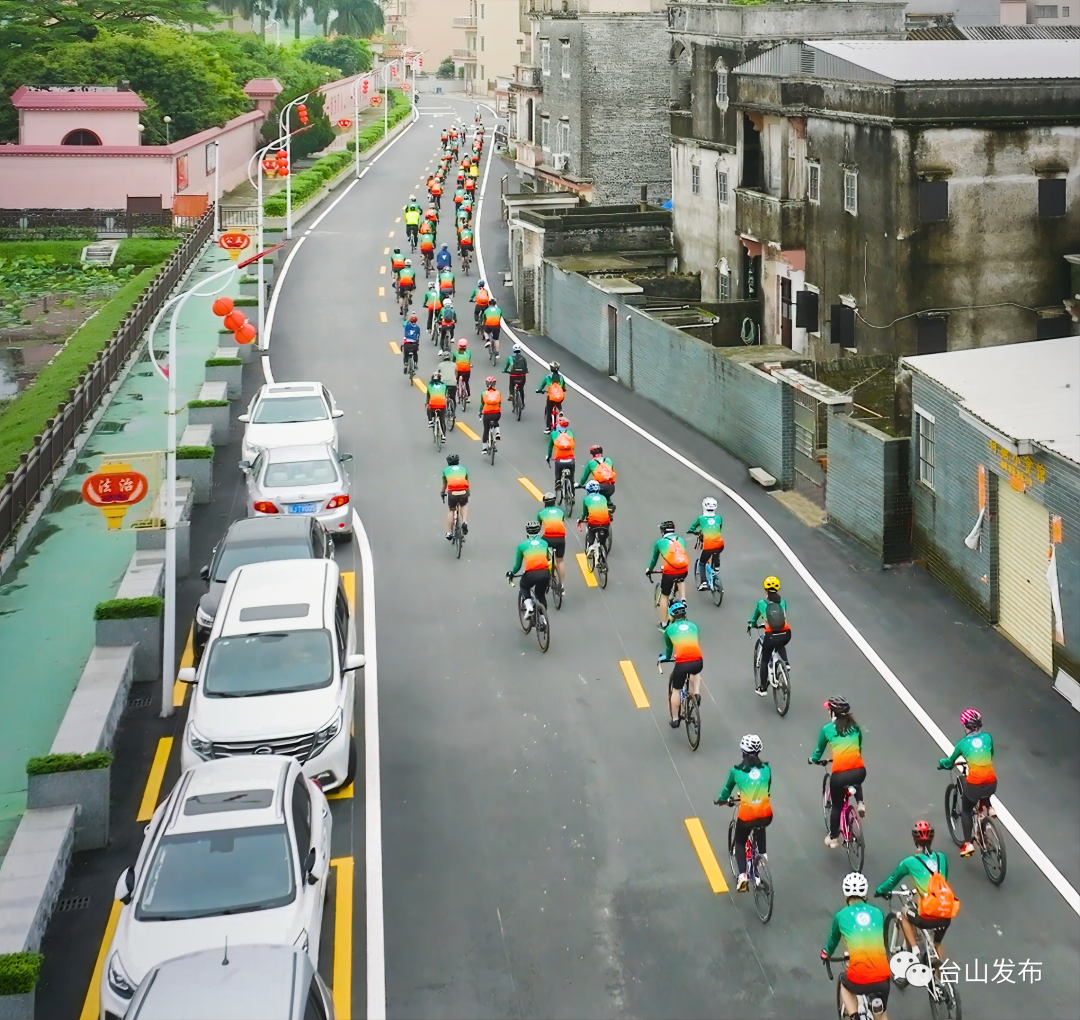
429,28
498,29
237,140
48,127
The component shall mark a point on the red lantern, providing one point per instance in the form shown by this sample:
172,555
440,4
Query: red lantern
245,334
234,320
393,70
302,110
364,86
344,123
283,170
222,306
282,156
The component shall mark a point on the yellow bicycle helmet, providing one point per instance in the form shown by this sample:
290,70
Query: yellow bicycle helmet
772,583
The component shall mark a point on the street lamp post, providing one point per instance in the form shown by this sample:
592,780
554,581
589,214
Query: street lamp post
258,157
283,130
168,120
217,191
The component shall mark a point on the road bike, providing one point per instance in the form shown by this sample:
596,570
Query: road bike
491,343
438,431
866,1009
556,587
909,968
712,580
458,532
564,491
984,831
533,619
777,676
851,834
433,330
517,399
596,556
446,334
463,393
410,364
429,264
404,300
491,443
689,709
756,867
466,260
451,409
658,592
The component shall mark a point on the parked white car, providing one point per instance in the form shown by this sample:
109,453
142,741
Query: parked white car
277,676
301,480
239,851
289,414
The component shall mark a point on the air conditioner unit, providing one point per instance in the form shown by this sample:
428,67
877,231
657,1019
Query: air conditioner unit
561,162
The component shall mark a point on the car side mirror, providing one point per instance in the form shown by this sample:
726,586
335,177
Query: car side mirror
125,886
354,662
204,573
186,675
245,418
309,867
338,412
345,458
245,466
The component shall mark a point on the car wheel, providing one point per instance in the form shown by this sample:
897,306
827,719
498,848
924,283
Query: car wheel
343,536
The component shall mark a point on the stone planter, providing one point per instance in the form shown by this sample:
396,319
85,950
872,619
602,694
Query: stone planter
154,538
244,352
201,472
217,418
144,632
88,789
17,1007
232,375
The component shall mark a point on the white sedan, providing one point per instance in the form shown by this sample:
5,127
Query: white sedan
289,414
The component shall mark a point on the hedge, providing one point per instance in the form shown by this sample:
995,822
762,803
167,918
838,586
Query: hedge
245,302
19,972
129,609
223,362
49,764
208,403
195,452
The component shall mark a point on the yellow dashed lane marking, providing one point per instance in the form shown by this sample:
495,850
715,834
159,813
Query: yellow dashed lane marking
394,347
468,431
419,385
153,781
382,317
382,292
386,251
533,490
391,234
396,220
705,854
583,562
637,692
382,270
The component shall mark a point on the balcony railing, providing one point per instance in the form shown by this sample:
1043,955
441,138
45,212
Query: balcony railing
469,55
770,219
527,75
467,22
529,154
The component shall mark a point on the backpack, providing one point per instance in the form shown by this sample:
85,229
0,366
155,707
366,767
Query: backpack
775,616
603,473
675,556
940,902
519,364
555,393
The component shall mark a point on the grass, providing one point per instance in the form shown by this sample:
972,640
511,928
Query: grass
50,764
25,416
19,972
137,251
130,609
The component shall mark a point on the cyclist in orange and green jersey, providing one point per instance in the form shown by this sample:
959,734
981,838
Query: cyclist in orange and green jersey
752,777
669,548
433,303
601,470
435,401
843,735
595,513
455,490
463,364
465,240
553,531
533,560
707,527
561,447
862,927
977,749
771,612
397,261
683,647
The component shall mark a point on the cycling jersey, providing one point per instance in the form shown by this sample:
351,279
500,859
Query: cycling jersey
405,278
412,332
459,196
463,360
412,215
553,521
456,478
474,170
427,244
681,642
552,380
431,299
862,927
491,402
436,395
846,747
708,527
599,469
532,554
754,782
436,188
446,280
760,611
978,749
431,216
595,510
465,240
516,364
675,560
492,316
561,445
915,867
442,260
448,376
397,262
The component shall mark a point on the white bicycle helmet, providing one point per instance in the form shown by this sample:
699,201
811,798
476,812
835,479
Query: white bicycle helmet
750,744
708,505
855,884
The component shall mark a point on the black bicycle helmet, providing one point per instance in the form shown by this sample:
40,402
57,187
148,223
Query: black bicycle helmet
532,527
838,705
666,526
452,459
549,499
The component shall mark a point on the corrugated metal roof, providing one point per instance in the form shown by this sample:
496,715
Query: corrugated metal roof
937,32
995,32
1026,391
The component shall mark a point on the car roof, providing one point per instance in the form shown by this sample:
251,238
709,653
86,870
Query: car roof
229,793
295,587
290,389
288,454
261,982
251,529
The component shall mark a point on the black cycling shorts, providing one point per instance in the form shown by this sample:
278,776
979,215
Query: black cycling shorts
937,925
668,582
557,544
683,670
455,499
872,990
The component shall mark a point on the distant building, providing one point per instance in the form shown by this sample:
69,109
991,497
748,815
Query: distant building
428,26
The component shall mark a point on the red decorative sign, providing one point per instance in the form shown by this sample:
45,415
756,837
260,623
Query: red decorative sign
375,100
405,86
344,123
234,242
113,489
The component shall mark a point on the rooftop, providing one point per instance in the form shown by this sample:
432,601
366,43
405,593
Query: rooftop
75,97
263,87
1028,392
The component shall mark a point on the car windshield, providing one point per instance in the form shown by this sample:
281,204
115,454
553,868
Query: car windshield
285,410
292,473
228,871
254,664
240,554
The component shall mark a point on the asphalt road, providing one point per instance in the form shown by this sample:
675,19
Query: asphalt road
536,860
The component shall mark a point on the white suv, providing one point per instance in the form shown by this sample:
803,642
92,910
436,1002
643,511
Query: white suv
289,414
238,852
277,676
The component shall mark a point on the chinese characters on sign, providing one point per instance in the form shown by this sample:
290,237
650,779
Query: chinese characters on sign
120,483
181,172
1003,972
1024,468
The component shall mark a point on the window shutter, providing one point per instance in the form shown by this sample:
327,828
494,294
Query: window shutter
1052,196
933,201
806,310
843,326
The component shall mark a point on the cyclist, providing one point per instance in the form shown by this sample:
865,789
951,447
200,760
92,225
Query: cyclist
455,493
463,364
862,926
410,343
431,215
406,284
772,612
435,189
752,777
435,401
490,410
459,194
936,897
432,302
561,447
532,559
444,137
602,471
681,646
397,261
517,366
480,298
465,241
670,549
554,386
843,735
447,322
447,373
474,166
413,212
492,320
447,284
707,528
443,259
427,245
553,524
981,781
595,513
470,183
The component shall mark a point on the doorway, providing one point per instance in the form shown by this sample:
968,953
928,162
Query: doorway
785,311
613,341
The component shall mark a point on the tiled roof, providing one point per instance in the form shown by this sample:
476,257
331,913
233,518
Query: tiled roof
74,97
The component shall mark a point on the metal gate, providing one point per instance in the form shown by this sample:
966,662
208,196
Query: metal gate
1024,611
810,446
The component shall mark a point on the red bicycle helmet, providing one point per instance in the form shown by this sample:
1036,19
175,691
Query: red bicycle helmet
970,718
923,833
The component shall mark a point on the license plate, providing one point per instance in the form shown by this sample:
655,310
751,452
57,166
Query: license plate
302,508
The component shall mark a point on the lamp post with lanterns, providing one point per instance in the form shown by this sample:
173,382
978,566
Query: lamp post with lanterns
286,133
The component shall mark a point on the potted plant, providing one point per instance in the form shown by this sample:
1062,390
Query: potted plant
56,780
18,979
136,622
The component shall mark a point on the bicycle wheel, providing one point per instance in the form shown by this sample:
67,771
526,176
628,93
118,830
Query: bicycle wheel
944,1000
993,852
840,1011
519,404
656,596
763,889
459,538
601,567
693,717
733,858
717,588
491,446
556,590
855,845
781,691
451,415
757,661
895,942
826,799
543,631
952,814
607,539
526,623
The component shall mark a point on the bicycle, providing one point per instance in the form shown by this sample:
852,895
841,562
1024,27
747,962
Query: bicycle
865,1008
777,676
438,431
907,967
534,619
462,393
458,533
689,711
758,876
712,579
404,300
564,489
517,400
596,556
984,831
428,264
658,592
491,344
491,444
556,587
451,410
851,833
410,364
466,260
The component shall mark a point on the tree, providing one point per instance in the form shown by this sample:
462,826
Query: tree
292,10
347,55
446,68
316,135
248,56
357,17
249,9
31,24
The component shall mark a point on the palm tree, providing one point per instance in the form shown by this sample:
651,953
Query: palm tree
249,9
322,9
292,10
357,17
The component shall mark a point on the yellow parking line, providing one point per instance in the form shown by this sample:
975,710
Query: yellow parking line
382,317
153,781
394,347
382,292
468,431
343,911
419,385
382,270
705,854
92,1002
637,692
342,793
179,690
583,562
533,490
348,582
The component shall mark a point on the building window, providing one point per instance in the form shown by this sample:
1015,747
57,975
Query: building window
721,87
1046,10
482,12
851,192
1064,12
545,136
925,427
725,286
721,187
562,141
545,56
695,179
813,182
566,58
81,136
481,44
933,201
932,336
1052,196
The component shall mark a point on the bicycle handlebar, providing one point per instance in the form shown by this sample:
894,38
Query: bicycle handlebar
822,762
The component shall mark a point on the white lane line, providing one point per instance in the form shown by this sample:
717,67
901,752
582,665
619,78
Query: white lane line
1006,817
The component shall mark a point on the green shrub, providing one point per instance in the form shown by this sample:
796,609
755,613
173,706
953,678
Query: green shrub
129,609
139,251
208,403
194,453
19,972
48,234
223,362
245,302
50,764
249,279
162,232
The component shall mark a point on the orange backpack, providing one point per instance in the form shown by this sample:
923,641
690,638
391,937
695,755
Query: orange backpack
603,473
940,902
555,393
675,556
